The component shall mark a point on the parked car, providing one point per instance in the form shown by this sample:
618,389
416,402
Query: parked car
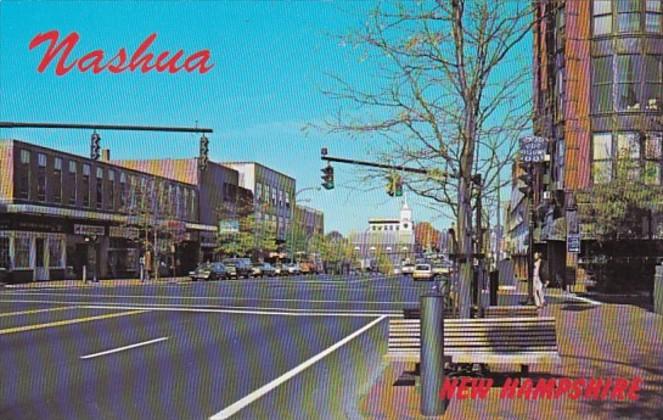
209,271
256,270
242,266
279,270
407,269
293,268
305,268
268,270
441,269
423,272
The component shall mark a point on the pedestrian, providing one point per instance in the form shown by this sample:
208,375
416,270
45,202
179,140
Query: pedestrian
142,267
148,264
539,299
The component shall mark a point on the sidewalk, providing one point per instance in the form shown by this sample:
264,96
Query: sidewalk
607,340
100,283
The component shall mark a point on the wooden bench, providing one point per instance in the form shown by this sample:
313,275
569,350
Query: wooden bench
515,311
521,341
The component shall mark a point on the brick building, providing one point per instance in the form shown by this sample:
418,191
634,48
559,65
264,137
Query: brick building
59,212
598,93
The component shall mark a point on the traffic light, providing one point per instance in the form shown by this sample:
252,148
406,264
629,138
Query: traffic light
526,178
398,186
204,152
327,177
391,185
95,146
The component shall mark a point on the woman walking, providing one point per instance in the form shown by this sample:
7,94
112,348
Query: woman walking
539,299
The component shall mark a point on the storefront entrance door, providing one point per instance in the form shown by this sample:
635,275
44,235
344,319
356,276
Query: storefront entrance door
41,265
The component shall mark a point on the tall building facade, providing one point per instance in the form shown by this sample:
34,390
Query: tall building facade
273,194
598,95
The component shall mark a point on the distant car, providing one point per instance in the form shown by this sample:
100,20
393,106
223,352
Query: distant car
441,270
268,270
293,268
398,271
305,268
209,271
423,272
279,270
407,268
256,270
242,266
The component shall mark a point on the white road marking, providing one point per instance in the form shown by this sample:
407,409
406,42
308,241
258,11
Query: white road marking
199,309
131,346
265,389
582,299
369,302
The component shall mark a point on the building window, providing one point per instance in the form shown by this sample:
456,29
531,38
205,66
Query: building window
602,79
258,192
22,252
628,16
4,253
100,188
24,175
287,200
57,180
55,253
628,80
111,189
602,158
71,179
653,15
602,17
628,148
86,185
123,190
41,177
653,92
560,26
185,200
560,163
653,157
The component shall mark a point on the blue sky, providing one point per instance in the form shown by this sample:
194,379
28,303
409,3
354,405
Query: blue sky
272,62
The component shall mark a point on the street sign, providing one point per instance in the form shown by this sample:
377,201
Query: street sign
228,226
573,243
533,149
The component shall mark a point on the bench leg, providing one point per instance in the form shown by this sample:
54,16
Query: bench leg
524,369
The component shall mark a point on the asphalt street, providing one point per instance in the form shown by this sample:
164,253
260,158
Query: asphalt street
257,348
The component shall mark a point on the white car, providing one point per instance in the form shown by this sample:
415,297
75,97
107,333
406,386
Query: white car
292,268
407,269
423,272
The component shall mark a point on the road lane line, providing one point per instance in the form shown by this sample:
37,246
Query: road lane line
368,302
67,322
265,389
131,346
36,311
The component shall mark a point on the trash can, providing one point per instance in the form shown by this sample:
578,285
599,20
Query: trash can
494,285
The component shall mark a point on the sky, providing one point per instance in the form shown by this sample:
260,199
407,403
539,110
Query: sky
272,62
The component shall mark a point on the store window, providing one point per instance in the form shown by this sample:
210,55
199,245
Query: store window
602,17
22,252
41,177
55,253
57,180
602,158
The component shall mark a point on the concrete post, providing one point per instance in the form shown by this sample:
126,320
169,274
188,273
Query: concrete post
432,353
658,290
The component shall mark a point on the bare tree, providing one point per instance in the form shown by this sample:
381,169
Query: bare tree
451,96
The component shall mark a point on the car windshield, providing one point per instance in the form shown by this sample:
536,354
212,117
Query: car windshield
423,267
230,263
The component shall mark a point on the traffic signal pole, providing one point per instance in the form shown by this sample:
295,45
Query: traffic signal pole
530,239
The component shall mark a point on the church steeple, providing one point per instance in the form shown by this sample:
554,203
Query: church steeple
406,216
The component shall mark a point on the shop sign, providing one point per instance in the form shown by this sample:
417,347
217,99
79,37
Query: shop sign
533,149
89,230
123,232
228,226
573,243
